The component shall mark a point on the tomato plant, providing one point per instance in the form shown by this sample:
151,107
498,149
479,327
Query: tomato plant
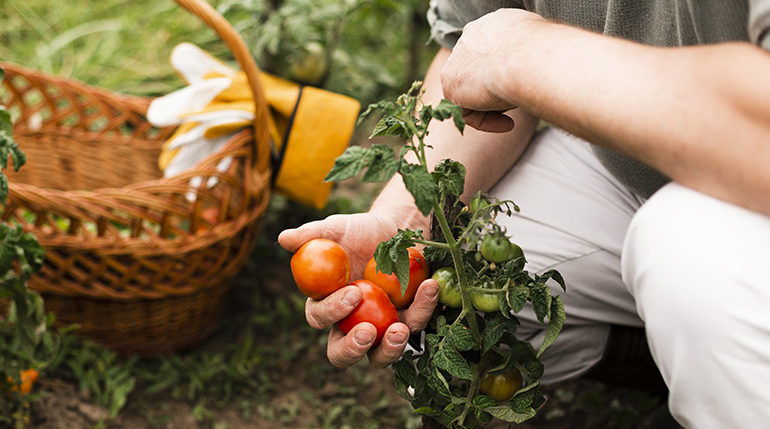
320,267
418,272
501,387
442,379
448,289
375,307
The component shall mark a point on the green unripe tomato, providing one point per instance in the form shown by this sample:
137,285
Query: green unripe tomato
501,386
448,287
486,302
310,66
497,248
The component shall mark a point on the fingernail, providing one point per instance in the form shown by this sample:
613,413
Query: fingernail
352,297
363,338
397,338
432,292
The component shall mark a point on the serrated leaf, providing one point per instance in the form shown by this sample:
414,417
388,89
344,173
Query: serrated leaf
541,302
349,164
495,329
506,414
517,296
461,337
438,383
452,362
555,323
420,184
449,177
552,274
383,164
392,257
446,109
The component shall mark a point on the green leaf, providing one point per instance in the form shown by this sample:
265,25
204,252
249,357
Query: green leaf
506,414
552,274
392,257
349,164
420,184
461,337
517,296
5,122
541,302
438,383
452,362
495,329
555,323
404,375
447,109
383,164
449,177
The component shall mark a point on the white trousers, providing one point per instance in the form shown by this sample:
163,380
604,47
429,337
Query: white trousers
689,268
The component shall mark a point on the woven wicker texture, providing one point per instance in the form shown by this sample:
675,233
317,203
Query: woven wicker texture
129,257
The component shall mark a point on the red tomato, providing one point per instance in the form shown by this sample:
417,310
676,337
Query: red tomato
375,307
418,271
320,267
209,218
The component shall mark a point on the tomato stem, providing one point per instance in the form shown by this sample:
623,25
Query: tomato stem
432,243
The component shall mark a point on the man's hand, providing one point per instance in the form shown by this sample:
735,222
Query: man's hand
474,77
345,350
359,235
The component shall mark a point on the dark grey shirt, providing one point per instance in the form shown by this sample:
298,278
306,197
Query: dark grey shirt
652,22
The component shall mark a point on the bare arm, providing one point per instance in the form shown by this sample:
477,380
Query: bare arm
700,115
486,156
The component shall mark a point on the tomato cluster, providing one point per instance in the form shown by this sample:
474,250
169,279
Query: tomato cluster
322,266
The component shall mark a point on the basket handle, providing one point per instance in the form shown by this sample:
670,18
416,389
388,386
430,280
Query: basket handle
206,13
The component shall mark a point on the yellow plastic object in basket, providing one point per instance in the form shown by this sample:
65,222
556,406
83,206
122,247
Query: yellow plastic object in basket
309,126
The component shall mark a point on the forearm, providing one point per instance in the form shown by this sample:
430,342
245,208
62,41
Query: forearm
697,114
486,156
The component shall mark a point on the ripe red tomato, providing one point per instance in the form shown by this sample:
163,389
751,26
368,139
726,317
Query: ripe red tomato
375,307
418,272
320,267
209,218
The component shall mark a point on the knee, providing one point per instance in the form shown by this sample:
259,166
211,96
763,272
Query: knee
673,258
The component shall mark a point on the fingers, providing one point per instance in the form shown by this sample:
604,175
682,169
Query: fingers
392,346
345,350
492,122
292,239
330,310
417,316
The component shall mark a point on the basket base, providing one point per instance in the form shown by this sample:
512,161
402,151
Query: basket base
146,328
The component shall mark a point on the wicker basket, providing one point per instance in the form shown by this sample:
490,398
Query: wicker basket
129,258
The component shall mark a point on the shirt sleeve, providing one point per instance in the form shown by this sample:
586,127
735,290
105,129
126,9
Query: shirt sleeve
448,17
759,23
